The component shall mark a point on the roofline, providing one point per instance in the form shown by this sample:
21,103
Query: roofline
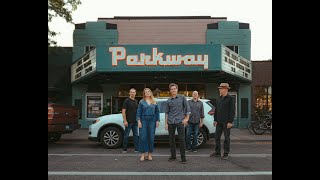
163,17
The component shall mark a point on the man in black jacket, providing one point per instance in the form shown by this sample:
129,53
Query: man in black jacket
223,119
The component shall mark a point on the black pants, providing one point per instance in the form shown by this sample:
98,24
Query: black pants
181,135
222,127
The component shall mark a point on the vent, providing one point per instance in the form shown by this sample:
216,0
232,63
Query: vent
243,25
213,26
111,26
80,26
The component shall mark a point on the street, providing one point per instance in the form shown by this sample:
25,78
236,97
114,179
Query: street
83,159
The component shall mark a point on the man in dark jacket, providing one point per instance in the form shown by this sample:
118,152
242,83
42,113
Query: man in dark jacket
223,119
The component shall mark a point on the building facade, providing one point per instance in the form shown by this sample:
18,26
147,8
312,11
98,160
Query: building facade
261,87
111,55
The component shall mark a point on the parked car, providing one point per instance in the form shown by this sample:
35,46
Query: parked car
109,129
62,119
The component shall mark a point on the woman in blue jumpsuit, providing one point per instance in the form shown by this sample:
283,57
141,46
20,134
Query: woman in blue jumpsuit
148,119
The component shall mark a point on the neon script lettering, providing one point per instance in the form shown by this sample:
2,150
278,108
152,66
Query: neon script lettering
119,53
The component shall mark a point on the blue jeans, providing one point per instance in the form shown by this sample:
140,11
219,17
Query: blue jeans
146,134
134,127
192,127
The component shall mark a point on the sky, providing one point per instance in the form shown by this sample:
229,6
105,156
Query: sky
258,13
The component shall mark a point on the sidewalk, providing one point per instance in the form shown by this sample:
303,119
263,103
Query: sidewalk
244,135
237,135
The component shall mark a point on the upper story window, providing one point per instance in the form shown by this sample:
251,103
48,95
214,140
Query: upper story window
88,48
234,48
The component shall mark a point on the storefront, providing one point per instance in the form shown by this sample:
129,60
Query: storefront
107,62
261,87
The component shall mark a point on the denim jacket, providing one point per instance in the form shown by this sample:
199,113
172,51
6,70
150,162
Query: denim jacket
144,109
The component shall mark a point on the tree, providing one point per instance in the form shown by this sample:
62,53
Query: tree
61,8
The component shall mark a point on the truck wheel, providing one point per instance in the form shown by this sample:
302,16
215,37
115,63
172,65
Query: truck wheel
54,137
111,137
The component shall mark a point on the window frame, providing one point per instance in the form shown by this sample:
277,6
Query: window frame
90,47
233,48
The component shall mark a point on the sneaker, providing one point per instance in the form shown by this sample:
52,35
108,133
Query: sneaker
183,161
225,156
194,151
136,151
171,158
188,150
124,150
215,155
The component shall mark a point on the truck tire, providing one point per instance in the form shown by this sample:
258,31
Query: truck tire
111,137
54,137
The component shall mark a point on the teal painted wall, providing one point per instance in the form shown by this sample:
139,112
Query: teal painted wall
244,92
79,92
104,57
228,33
94,34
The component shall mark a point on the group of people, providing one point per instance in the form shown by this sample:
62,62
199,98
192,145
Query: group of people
179,113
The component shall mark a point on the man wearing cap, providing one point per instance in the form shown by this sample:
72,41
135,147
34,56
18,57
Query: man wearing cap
223,119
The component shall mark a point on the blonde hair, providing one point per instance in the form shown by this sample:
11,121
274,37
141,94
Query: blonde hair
153,101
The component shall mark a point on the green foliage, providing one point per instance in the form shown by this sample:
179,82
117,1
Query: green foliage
61,8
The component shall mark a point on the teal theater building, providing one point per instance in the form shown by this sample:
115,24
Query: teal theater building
111,55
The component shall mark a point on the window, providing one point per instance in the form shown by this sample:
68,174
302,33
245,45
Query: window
88,48
159,90
213,109
263,97
195,87
234,48
124,89
162,106
94,102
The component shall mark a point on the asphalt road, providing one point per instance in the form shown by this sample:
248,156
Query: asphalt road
83,159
